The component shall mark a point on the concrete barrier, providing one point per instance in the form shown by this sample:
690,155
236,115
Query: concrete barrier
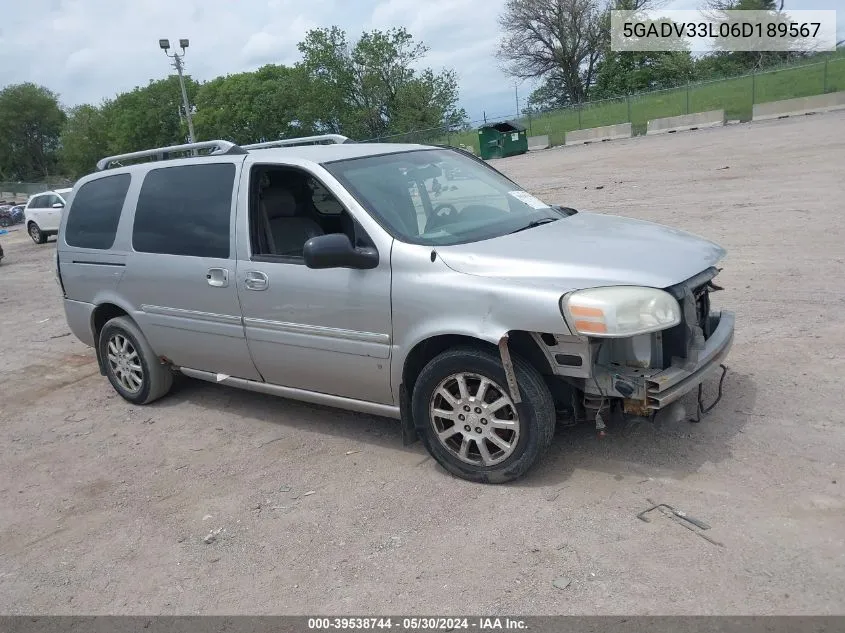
713,118
801,105
538,142
598,134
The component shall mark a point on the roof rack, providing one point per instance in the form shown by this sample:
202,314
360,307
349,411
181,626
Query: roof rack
305,140
217,148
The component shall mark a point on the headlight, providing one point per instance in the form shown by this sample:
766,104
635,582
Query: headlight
618,311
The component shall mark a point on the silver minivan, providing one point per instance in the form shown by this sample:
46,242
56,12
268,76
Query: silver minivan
358,276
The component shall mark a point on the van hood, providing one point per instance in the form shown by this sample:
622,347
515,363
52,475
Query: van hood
586,250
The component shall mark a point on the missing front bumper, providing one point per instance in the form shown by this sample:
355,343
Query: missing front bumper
667,386
650,389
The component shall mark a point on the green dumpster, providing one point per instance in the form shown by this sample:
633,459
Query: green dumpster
498,140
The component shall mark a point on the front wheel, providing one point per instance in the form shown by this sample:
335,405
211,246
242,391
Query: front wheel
36,234
469,422
132,367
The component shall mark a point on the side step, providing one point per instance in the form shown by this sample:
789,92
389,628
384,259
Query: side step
339,402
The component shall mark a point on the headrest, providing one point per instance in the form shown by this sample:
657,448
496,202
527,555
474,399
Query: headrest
278,203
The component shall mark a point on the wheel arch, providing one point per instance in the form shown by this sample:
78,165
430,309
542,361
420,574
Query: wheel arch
101,315
519,343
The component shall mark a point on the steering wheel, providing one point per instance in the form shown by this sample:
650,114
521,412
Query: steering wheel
445,209
442,214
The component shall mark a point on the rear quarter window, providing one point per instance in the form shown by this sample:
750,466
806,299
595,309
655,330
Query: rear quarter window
35,203
185,210
94,215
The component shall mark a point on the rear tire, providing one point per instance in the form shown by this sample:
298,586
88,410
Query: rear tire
36,233
131,365
505,439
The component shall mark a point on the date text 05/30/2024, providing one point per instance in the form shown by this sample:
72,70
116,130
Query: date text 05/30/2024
416,624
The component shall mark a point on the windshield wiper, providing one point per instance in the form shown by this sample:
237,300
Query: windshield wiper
534,223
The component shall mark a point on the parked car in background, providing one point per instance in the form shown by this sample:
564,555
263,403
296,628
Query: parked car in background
43,214
10,215
18,214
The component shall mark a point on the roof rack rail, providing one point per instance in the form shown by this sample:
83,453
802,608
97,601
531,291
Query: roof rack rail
217,147
305,140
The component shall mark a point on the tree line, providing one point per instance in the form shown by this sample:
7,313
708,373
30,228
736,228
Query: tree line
566,45
366,89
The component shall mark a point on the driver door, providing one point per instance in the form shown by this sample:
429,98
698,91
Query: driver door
327,331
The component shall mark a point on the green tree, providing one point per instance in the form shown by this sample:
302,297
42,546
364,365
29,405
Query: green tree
30,123
371,89
628,72
250,107
726,63
148,116
84,140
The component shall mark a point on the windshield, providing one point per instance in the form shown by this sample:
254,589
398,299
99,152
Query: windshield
439,197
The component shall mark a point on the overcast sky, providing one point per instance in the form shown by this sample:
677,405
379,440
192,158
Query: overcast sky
88,50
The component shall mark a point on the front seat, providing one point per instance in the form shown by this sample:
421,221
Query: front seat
288,230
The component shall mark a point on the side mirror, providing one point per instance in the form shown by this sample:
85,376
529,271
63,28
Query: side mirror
58,205
336,251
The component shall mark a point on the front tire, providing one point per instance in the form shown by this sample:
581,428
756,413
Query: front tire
132,367
469,423
37,235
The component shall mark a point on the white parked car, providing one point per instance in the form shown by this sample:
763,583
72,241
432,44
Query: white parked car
43,214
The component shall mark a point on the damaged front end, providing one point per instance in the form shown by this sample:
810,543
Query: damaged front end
649,371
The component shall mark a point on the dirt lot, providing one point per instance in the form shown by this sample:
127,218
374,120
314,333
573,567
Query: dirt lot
104,506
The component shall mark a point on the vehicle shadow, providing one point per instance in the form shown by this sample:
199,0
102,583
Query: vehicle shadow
666,447
359,427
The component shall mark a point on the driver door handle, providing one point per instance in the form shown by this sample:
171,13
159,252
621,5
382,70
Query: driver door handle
256,280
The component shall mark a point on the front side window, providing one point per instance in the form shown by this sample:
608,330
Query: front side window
185,210
439,197
93,218
288,206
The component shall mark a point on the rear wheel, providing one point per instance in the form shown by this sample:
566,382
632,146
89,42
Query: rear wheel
469,422
132,367
36,234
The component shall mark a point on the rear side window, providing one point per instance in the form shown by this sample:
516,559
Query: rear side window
185,211
37,202
93,217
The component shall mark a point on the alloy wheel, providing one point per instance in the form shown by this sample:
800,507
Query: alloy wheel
125,363
475,419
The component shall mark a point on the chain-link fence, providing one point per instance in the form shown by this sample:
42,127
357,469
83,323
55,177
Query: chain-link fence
735,95
19,192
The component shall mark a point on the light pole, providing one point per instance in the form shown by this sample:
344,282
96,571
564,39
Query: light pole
178,65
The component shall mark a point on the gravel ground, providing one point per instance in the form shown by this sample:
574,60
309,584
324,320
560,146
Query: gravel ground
104,507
